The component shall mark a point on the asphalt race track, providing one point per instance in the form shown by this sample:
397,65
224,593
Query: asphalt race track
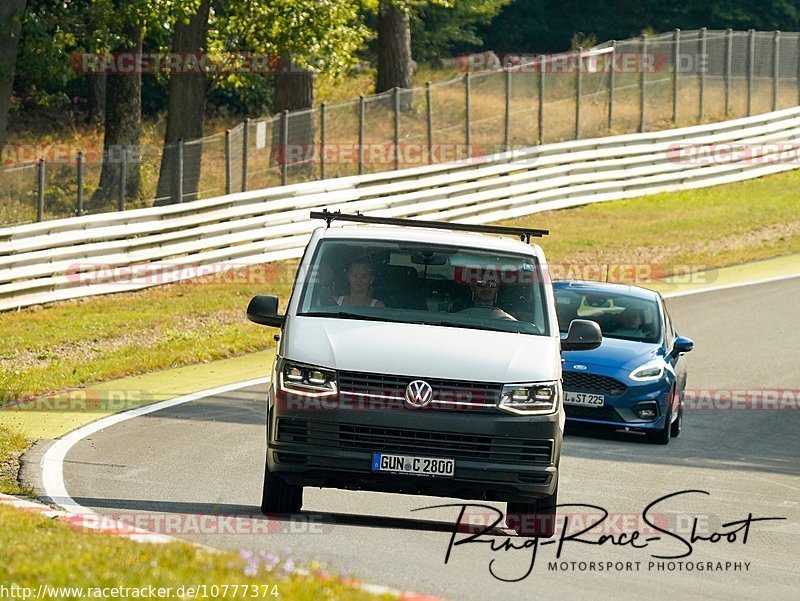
206,457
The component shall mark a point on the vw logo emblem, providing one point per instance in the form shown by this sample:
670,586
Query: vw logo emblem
419,393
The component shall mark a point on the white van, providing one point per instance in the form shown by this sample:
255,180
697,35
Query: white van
416,357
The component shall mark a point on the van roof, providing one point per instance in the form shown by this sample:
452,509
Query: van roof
412,234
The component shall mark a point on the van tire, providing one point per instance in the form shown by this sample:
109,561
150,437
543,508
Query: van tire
533,518
278,496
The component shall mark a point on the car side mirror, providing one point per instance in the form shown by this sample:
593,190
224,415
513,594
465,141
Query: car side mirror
682,345
263,310
583,335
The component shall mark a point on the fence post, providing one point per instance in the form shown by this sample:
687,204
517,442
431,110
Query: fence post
80,184
429,115
40,203
361,111
541,100
507,135
245,150
751,51
643,85
467,123
227,161
776,65
322,141
728,69
703,54
123,179
396,128
612,73
285,144
578,94
180,170
676,60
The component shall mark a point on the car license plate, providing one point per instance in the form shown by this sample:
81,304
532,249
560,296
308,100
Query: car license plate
408,464
583,398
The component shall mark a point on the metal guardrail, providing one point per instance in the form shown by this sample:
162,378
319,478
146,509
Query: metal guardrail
114,252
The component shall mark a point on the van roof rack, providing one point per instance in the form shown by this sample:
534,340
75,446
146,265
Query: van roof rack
523,233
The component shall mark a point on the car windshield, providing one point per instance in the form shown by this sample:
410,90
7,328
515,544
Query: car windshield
425,283
618,315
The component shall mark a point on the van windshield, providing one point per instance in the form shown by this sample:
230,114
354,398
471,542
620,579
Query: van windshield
425,283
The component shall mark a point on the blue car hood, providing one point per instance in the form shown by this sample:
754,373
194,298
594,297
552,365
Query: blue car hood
613,353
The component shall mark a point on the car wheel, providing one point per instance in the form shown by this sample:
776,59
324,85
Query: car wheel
662,436
535,518
677,425
278,496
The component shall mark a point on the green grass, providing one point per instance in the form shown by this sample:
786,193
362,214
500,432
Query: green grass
35,550
12,445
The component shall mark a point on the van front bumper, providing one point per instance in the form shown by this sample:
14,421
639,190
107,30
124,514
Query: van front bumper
498,457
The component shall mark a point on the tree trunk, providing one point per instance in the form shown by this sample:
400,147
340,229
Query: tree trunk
123,126
186,107
395,66
294,91
11,13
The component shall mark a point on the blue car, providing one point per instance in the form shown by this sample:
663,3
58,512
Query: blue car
636,378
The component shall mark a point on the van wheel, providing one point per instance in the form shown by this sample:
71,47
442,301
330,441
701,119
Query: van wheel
536,518
278,496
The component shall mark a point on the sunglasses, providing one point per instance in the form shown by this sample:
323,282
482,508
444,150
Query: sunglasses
486,284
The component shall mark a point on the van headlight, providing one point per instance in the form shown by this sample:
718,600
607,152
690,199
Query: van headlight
530,399
650,371
307,380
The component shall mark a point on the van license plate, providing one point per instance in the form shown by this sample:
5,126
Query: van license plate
408,464
584,399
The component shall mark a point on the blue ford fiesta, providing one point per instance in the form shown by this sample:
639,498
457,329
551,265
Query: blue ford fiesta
636,378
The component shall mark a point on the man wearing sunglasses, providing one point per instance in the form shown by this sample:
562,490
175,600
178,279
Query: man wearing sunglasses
484,296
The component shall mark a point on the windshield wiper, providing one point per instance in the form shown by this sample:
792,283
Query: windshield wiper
458,324
346,315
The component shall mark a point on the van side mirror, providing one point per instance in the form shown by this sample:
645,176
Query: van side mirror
682,345
263,310
583,335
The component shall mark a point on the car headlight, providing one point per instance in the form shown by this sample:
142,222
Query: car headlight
307,380
652,370
530,399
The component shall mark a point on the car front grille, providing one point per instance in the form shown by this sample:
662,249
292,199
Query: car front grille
604,414
422,443
575,381
447,394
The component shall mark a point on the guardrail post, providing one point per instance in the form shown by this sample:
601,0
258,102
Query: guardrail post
751,51
227,161
80,184
180,170
507,133
643,85
776,65
322,141
676,60
467,120
245,151
40,202
429,116
285,144
540,118
728,69
123,179
396,128
612,75
703,55
361,111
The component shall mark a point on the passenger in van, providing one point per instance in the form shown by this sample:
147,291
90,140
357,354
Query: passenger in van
360,278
